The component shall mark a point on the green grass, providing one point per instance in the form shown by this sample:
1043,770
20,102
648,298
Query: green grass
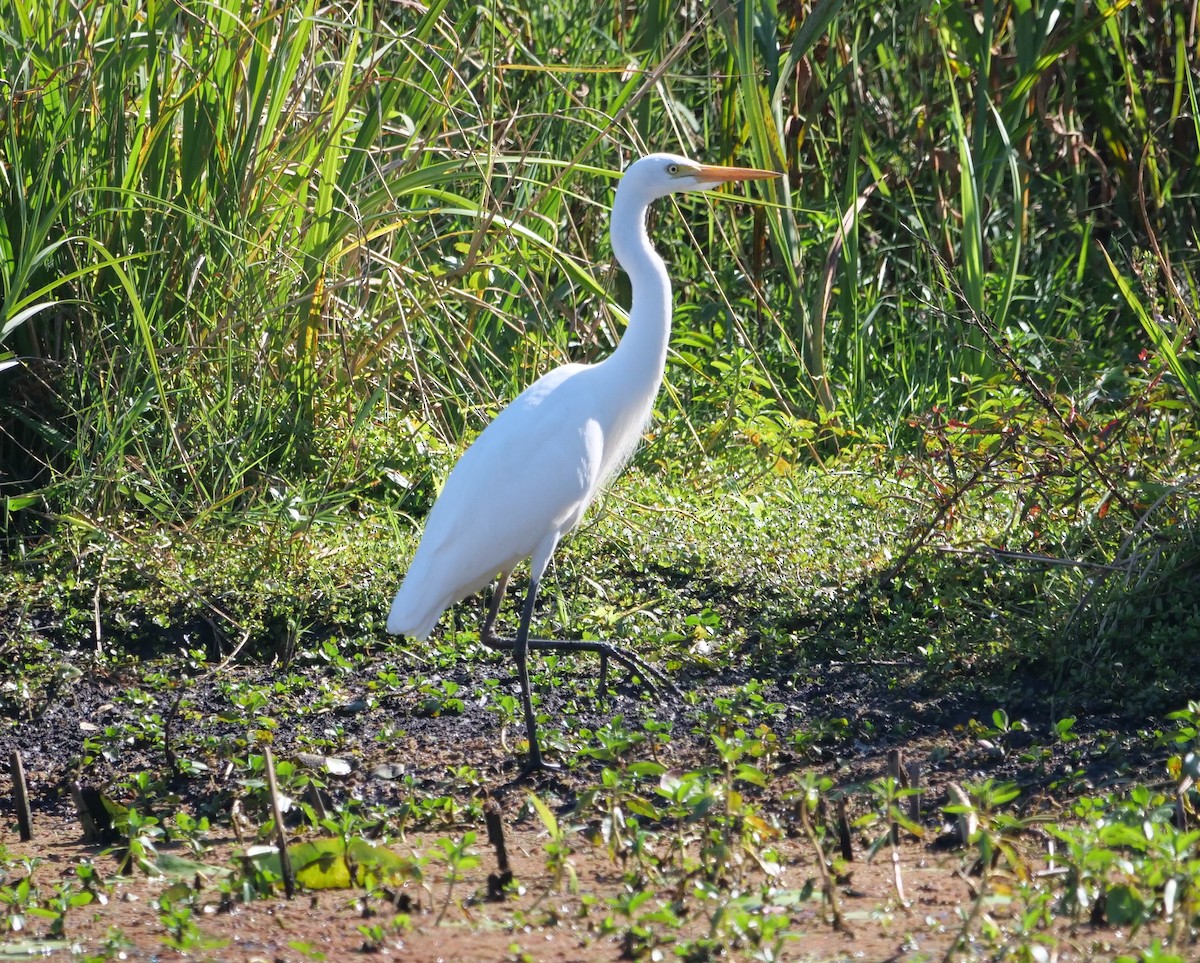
228,281
948,559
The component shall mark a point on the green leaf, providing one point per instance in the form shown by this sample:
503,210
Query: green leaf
546,816
178,867
32,949
750,774
320,864
1124,905
24,315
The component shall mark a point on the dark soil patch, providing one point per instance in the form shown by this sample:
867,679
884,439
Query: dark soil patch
399,753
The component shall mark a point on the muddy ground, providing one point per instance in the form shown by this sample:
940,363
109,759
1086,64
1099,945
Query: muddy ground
907,907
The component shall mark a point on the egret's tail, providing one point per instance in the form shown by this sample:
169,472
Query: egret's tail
411,614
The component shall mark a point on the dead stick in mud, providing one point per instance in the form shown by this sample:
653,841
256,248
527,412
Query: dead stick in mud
91,832
21,798
895,765
968,819
843,831
285,861
913,769
495,832
317,801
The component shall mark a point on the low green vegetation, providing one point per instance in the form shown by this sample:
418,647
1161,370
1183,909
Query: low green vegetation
923,475
735,845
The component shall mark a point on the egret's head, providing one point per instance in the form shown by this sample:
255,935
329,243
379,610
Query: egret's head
657,175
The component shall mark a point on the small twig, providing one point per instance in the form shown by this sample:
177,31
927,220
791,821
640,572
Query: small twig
236,818
843,831
1164,263
496,882
896,772
1181,816
186,685
21,798
898,877
947,503
91,834
968,821
976,320
285,860
976,908
1123,561
899,775
832,258
96,611
913,771
317,800
1006,554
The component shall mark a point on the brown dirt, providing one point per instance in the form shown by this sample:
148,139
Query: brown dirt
539,920
548,923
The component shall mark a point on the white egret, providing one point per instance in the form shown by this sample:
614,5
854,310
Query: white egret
531,474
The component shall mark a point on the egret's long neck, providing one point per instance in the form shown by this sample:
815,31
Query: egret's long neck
644,344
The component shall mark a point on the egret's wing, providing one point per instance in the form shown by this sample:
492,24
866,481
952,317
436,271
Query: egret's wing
529,476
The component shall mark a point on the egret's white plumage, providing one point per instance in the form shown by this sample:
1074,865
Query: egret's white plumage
531,474
512,493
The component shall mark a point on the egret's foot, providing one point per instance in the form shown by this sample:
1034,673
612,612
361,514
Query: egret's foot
537,763
653,678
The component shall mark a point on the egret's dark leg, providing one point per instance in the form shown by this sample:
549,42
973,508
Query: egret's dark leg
520,647
520,650
487,634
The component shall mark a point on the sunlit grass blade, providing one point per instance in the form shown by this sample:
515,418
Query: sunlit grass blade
1167,347
1012,253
